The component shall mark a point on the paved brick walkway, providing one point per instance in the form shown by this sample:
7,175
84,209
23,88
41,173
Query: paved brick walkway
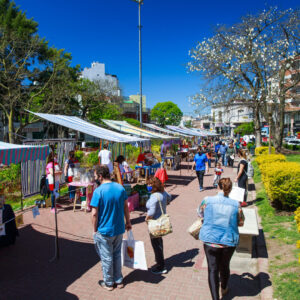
26,272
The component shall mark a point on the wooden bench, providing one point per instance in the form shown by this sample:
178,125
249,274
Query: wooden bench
247,231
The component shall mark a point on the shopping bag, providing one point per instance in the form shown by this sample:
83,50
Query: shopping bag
133,253
194,229
237,193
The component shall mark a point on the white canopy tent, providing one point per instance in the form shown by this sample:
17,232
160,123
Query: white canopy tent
155,127
123,126
80,125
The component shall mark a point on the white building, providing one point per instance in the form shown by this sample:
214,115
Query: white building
97,73
226,117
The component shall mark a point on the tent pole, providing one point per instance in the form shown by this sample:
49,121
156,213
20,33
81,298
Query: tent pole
56,255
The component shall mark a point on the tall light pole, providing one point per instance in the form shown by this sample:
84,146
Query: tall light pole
140,2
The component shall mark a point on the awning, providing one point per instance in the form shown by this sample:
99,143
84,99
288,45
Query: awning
204,132
123,126
155,127
80,125
14,154
185,131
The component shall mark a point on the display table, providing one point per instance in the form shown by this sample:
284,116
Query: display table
133,202
89,194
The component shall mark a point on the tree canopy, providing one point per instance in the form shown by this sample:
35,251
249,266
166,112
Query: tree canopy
166,113
248,62
245,129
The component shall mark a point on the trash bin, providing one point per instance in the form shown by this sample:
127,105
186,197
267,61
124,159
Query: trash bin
252,150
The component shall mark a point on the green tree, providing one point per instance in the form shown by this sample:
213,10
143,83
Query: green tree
166,113
188,124
245,128
32,75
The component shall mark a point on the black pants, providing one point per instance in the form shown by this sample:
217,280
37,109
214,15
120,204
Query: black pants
217,157
200,175
218,260
230,161
243,183
158,247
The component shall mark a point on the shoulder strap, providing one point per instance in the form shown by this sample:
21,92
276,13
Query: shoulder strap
160,204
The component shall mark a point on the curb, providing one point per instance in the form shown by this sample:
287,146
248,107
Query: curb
262,263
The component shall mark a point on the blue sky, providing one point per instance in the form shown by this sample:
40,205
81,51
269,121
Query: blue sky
106,31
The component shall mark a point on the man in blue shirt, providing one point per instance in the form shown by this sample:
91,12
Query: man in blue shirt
201,164
223,150
109,207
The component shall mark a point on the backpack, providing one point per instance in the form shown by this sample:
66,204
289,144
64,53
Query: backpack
250,172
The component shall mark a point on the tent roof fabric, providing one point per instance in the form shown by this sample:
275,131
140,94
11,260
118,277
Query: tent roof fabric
80,125
128,128
184,131
11,153
155,127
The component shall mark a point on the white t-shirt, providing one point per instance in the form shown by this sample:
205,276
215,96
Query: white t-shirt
105,159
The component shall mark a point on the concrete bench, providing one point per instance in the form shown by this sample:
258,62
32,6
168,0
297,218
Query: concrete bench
247,231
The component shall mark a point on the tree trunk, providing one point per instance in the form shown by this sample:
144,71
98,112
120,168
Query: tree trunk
280,125
11,127
256,121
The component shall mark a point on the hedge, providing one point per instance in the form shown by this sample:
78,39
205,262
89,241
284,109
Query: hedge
297,218
269,159
282,183
264,150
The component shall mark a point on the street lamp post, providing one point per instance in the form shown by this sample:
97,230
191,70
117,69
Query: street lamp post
140,2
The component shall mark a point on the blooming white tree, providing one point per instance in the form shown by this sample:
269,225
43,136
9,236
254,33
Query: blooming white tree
248,62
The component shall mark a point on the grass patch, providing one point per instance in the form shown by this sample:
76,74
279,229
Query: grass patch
293,158
30,201
282,229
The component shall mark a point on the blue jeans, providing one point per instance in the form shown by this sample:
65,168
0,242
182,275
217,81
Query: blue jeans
72,190
224,160
209,162
110,248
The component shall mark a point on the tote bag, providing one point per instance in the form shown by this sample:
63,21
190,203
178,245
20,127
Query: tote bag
161,226
237,193
133,253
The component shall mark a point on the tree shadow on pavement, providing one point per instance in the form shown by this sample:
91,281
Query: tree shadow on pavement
247,285
180,260
26,272
179,180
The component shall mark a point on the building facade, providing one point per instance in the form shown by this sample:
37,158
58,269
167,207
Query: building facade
97,73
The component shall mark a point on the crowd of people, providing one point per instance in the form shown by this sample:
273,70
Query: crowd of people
221,216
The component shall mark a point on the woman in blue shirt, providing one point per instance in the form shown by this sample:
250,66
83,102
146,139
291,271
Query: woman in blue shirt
219,233
200,164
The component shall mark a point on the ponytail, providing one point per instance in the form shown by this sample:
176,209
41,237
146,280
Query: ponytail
225,185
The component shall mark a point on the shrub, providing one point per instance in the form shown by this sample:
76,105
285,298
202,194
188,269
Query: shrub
132,152
297,218
79,155
250,144
155,149
10,174
92,158
282,183
291,147
269,159
264,150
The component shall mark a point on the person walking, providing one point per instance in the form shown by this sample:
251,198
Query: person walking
109,207
230,155
69,173
242,177
200,164
105,158
52,181
237,146
218,173
217,152
219,233
158,194
223,151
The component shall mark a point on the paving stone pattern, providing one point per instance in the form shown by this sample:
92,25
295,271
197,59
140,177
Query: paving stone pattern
26,272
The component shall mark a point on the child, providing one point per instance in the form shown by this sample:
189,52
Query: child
218,172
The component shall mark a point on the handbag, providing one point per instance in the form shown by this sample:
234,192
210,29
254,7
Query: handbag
161,226
194,229
232,157
237,193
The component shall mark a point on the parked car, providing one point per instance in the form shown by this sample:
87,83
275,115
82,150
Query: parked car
294,142
288,138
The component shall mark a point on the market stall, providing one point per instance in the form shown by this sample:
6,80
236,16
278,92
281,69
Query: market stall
14,154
